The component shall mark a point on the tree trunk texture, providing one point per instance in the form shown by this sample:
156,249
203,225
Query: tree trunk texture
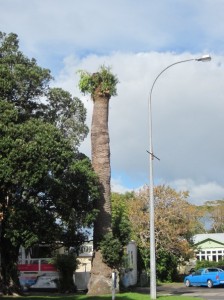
9,280
100,280
101,165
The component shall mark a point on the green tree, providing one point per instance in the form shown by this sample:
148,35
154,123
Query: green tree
47,188
113,243
26,85
22,81
68,114
121,225
41,181
176,221
101,86
215,212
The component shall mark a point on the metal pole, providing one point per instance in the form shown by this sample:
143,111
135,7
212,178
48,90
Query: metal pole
151,211
151,184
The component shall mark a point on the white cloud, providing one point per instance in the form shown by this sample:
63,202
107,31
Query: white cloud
118,187
58,28
139,39
187,116
199,193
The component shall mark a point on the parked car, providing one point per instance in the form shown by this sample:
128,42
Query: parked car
205,277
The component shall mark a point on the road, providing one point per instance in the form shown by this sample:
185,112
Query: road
215,293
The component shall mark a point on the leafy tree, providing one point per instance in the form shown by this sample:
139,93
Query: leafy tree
112,250
113,243
176,221
166,266
68,114
101,85
27,86
47,188
215,213
22,81
121,225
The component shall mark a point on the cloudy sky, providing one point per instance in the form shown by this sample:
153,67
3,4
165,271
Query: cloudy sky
138,39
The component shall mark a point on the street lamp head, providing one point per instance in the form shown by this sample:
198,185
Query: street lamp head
206,57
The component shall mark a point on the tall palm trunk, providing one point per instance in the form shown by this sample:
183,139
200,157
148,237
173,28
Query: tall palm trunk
101,163
100,281
101,85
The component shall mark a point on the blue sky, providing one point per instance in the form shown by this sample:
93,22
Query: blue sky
138,39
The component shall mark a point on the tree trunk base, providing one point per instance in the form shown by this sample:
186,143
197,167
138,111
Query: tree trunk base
100,282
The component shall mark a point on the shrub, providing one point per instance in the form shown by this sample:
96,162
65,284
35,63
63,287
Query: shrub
112,250
66,264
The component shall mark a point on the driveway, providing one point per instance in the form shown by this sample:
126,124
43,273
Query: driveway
215,293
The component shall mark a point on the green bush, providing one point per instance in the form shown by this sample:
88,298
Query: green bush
207,264
166,266
112,250
66,264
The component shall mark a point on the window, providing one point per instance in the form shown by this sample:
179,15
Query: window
198,272
212,270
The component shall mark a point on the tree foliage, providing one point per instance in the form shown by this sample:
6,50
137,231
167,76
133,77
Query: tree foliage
215,213
113,243
66,264
47,188
66,113
22,81
27,86
176,221
103,81
112,250
120,220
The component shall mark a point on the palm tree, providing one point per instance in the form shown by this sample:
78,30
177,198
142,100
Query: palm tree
101,86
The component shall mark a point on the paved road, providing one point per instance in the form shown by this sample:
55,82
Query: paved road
215,293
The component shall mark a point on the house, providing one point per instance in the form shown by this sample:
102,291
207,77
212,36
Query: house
82,273
209,246
130,272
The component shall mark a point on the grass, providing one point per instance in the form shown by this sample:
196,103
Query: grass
123,296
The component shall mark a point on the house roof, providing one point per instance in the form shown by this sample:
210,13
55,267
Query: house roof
218,237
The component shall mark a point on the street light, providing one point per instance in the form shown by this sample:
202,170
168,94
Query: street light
151,185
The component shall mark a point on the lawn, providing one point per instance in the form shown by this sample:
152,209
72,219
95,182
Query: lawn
123,296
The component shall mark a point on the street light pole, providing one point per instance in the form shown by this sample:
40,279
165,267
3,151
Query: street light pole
151,184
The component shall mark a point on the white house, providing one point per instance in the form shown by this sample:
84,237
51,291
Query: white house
209,246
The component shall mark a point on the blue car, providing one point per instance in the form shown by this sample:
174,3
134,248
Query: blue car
205,277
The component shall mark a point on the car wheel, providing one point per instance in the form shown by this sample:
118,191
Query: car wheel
187,283
209,283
